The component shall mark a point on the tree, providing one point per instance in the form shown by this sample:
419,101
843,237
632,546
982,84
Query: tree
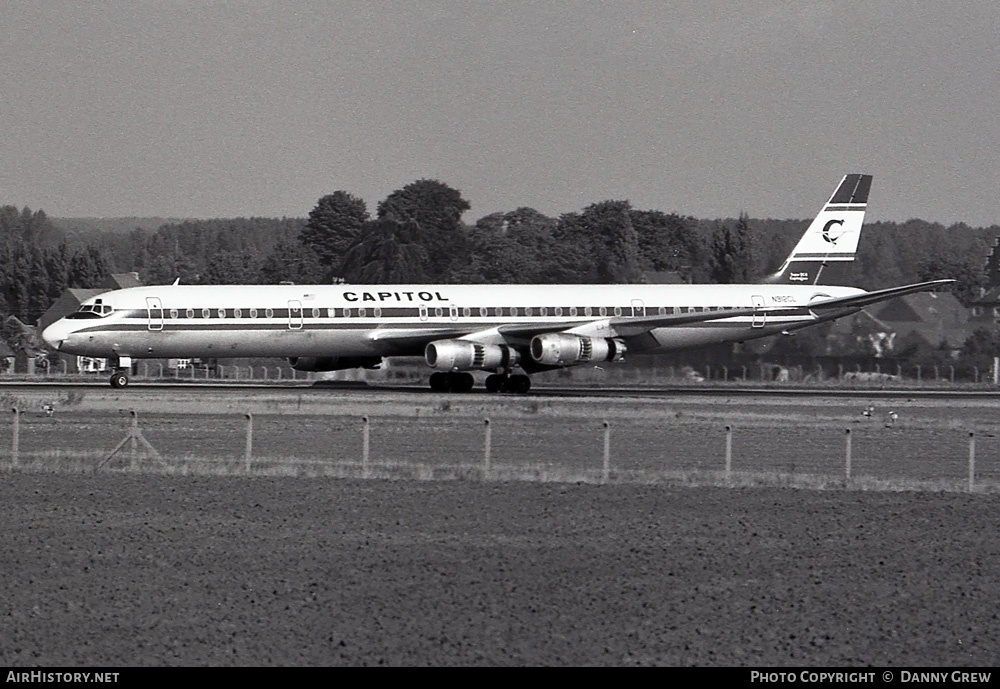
334,226
293,262
387,253
598,245
513,247
233,268
731,259
436,211
668,242
966,270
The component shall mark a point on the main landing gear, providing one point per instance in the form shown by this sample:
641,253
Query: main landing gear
464,382
501,383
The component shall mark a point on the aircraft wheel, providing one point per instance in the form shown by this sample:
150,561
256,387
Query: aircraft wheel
463,382
519,384
119,379
440,382
494,383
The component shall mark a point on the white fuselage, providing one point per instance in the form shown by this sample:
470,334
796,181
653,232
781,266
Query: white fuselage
378,320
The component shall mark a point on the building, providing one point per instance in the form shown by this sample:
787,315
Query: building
985,311
925,320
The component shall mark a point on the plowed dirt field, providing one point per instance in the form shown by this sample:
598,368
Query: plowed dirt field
129,569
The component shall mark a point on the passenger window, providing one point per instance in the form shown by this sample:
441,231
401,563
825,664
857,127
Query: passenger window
269,313
513,311
378,311
438,311
572,311
173,313
618,310
483,311
253,313
543,311
528,311
189,313
558,311
603,311
237,313
362,312
587,311
222,313
206,313
466,311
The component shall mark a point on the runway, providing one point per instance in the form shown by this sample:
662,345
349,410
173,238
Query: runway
538,390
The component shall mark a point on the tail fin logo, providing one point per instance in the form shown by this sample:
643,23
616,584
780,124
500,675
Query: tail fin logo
826,231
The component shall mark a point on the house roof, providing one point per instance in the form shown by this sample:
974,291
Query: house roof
989,298
934,317
121,281
940,308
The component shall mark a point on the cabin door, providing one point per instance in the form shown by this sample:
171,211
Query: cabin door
759,317
294,315
638,308
154,310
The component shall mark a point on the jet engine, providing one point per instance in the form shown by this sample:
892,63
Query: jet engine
463,355
561,349
333,363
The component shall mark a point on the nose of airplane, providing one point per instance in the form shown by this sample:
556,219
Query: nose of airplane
56,334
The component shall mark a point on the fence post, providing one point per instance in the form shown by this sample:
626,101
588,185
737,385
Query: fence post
16,439
487,442
847,456
729,453
133,440
606,470
972,460
248,453
365,438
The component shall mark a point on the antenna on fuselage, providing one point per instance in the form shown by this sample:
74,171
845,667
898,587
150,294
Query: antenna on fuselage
177,282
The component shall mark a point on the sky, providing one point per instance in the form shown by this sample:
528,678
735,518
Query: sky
706,108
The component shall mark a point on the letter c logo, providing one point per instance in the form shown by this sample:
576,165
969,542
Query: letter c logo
826,231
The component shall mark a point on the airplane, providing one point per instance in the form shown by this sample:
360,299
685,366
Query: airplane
510,331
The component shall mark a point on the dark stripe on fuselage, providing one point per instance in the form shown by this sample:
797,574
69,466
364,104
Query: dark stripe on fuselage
230,325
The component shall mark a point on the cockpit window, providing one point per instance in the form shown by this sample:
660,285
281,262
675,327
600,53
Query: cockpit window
92,311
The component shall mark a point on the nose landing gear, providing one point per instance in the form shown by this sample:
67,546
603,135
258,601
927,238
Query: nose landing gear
119,379
122,366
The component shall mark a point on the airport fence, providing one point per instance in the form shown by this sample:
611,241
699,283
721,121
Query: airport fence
875,454
638,370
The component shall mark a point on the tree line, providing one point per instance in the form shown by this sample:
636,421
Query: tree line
417,234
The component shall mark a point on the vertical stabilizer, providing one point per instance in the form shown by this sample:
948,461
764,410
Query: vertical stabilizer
824,254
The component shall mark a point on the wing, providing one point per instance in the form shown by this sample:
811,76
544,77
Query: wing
861,300
411,341
406,341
